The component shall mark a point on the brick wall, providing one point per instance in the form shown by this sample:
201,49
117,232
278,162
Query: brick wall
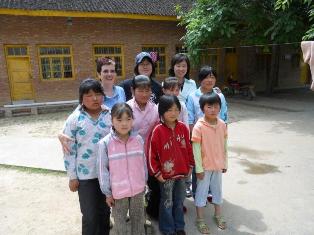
5,97
82,34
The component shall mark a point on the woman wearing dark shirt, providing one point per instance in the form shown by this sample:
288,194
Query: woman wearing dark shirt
144,65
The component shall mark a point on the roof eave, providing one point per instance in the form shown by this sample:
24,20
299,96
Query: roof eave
54,13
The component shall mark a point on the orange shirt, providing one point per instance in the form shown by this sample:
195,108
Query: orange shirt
212,141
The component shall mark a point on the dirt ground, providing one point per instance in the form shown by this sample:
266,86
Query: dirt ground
44,125
37,203
25,193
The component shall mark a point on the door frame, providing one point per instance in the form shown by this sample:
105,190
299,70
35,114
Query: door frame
7,57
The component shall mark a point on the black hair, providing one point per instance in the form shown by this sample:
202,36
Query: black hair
141,81
150,61
166,102
170,83
119,109
205,71
87,85
104,61
209,99
176,59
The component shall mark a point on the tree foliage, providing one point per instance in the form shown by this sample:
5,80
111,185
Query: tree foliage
287,5
243,22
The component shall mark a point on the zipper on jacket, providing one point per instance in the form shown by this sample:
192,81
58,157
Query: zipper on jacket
127,166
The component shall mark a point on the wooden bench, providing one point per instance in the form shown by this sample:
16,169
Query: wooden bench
33,107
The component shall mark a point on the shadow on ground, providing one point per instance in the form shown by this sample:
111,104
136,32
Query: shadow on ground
240,221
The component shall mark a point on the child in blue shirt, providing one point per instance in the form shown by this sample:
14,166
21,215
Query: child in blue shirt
86,127
207,79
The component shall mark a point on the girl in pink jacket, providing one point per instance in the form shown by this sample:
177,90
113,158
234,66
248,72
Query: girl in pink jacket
122,171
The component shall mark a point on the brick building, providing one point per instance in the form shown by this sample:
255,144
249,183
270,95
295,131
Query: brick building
48,47
253,64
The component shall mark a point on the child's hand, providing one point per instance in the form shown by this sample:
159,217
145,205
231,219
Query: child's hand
65,142
161,179
73,185
200,176
110,201
189,174
224,170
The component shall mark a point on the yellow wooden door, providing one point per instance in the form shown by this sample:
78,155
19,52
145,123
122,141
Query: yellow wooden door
231,66
305,77
20,78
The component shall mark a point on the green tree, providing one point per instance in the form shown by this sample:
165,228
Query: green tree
286,5
243,22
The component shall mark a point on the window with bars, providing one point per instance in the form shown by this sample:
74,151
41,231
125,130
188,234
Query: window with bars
230,50
55,62
181,49
210,57
161,63
17,51
113,52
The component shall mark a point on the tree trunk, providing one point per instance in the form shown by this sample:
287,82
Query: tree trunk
272,79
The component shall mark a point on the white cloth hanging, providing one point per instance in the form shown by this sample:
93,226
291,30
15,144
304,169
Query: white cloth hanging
308,57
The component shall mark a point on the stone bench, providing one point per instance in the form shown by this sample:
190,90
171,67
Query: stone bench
33,107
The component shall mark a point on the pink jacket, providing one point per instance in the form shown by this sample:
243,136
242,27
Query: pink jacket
122,170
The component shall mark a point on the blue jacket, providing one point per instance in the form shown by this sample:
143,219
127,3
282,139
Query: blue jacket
195,111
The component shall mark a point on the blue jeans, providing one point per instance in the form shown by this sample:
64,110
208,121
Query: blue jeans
172,195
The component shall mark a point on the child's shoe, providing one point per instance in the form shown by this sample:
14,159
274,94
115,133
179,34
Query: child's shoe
220,222
180,232
202,226
188,193
147,223
110,223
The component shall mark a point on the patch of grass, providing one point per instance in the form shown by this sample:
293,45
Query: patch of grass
32,170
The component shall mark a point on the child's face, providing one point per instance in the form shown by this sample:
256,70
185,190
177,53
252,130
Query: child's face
92,100
107,74
172,114
122,125
211,111
145,68
172,91
180,69
142,95
208,83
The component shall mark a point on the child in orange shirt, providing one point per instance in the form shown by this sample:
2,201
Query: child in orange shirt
209,137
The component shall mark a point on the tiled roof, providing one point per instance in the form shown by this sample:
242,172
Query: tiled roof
144,7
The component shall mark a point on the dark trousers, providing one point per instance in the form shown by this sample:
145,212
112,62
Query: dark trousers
153,198
95,212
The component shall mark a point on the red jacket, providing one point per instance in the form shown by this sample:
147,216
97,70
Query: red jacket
170,152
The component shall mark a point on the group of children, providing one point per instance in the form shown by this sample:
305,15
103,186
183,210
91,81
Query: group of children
114,151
